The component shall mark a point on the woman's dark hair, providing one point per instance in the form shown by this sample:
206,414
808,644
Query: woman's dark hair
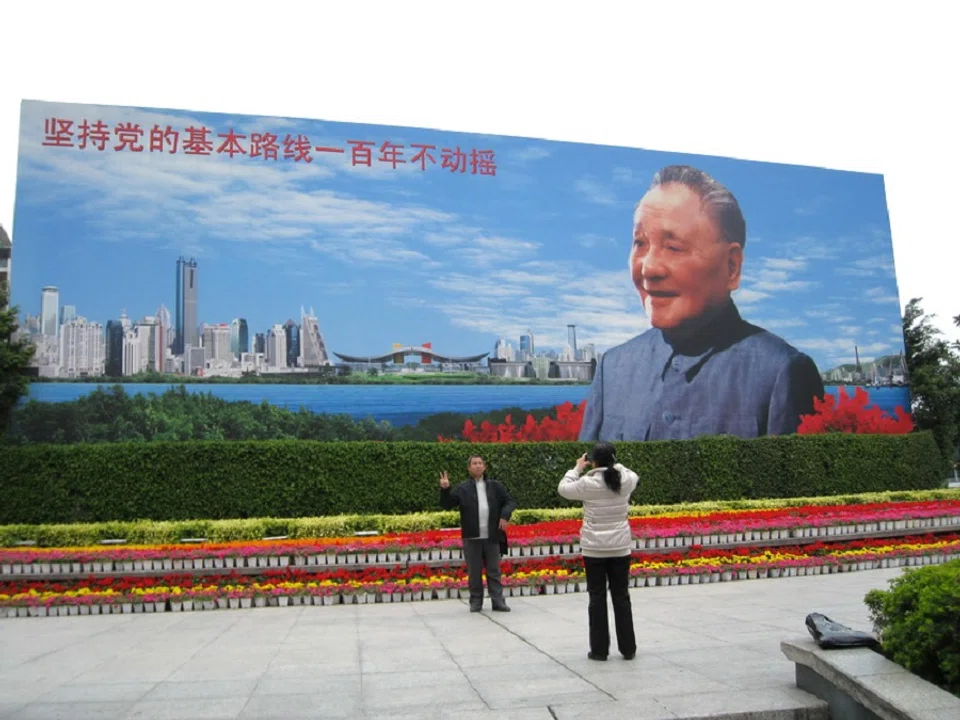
604,455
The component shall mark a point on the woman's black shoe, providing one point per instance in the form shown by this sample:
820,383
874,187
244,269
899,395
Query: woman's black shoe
629,656
594,656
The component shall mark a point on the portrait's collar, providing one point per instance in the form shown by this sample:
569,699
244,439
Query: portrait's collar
705,332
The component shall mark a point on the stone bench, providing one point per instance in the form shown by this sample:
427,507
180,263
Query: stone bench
861,684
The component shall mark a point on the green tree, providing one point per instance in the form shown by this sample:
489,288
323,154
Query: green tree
15,356
934,367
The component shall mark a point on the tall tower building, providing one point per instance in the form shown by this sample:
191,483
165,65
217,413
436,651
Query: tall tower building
6,250
277,347
49,310
572,338
239,337
293,342
313,349
114,349
526,345
186,328
165,329
68,313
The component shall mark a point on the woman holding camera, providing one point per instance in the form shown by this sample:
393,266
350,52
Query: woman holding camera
606,542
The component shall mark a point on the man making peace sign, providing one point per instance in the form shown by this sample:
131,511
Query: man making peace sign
485,510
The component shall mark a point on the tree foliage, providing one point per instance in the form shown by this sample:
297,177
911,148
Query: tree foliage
934,367
15,356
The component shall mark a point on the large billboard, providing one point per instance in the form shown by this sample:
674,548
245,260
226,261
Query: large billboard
245,277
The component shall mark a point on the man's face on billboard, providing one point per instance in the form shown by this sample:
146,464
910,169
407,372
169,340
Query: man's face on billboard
680,264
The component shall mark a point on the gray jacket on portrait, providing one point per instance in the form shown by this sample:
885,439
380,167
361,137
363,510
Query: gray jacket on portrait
733,378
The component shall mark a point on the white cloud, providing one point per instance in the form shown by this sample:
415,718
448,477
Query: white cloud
881,295
590,240
595,192
623,174
784,264
530,153
746,296
782,323
523,277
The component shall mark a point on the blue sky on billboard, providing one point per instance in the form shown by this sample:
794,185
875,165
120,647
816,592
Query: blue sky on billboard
407,255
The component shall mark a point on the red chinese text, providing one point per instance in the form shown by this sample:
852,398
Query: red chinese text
132,137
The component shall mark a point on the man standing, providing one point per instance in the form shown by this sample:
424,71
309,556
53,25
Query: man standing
700,369
485,510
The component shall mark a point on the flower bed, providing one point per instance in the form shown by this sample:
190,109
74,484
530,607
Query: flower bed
534,576
664,531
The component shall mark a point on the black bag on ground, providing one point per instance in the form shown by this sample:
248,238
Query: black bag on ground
829,634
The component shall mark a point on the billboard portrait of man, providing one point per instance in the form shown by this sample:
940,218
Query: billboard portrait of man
700,369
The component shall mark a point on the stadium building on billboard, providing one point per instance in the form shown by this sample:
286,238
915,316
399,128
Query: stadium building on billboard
397,358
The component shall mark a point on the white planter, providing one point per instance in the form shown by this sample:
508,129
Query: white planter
84,609
176,607
283,600
684,579
571,587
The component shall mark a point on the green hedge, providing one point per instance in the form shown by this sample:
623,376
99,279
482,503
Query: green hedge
138,532
215,479
918,622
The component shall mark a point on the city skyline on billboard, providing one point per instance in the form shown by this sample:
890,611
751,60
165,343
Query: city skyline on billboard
402,235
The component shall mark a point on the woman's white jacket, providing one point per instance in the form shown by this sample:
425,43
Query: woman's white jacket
606,530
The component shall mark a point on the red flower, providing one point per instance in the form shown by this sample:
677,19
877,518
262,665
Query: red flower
851,415
566,427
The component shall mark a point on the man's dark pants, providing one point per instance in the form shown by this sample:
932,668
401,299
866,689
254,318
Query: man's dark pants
617,571
483,554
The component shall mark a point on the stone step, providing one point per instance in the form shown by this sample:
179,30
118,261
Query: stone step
786,703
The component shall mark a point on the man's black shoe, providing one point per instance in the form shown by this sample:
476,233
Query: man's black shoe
594,656
501,607
475,608
629,656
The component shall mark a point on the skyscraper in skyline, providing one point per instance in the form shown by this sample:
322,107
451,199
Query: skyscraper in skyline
49,310
186,328
313,349
114,348
6,250
293,343
239,337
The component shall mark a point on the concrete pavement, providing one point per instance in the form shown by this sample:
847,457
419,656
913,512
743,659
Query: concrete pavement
704,651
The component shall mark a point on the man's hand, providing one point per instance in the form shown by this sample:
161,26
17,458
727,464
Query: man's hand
582,462
504,524
444,480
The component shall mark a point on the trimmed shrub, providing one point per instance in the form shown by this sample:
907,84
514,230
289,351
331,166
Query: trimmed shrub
289,478
918,622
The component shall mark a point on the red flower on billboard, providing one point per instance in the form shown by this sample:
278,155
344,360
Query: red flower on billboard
565,427
851,415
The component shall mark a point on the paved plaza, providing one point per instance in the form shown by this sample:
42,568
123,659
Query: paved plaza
703,650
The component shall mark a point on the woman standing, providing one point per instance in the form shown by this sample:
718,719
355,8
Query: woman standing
606,542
